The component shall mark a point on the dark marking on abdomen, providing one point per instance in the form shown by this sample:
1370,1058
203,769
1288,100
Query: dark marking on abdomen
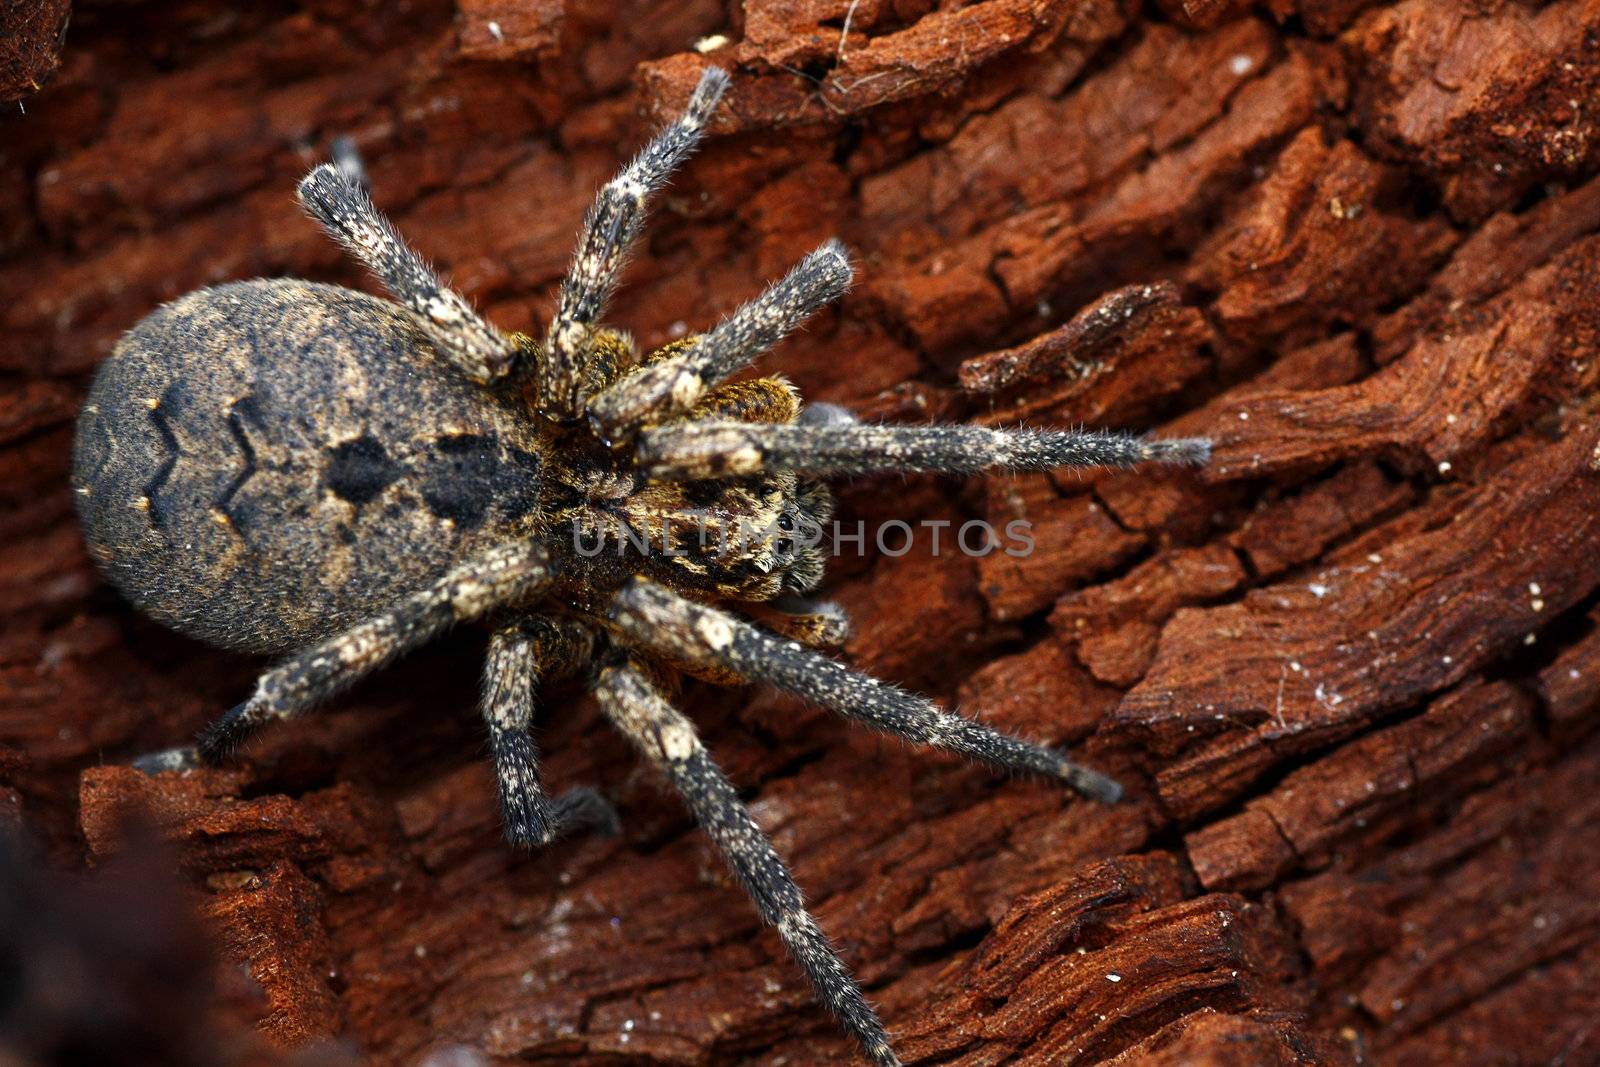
160,511
459,480
241,410
360,469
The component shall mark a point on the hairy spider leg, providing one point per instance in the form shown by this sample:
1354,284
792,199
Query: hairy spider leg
654,617
335,194
673,386
496,578
668,739
727,449
521,656
609,231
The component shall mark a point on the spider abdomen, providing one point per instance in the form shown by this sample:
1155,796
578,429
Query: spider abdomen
262,464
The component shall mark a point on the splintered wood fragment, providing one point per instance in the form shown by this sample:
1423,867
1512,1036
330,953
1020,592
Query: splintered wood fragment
1366,791
1393,617
32,33
1567,686
1483,921
1073,349
1094,964
1444,397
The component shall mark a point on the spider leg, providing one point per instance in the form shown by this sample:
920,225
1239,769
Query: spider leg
609,230
521,656
335,194
654,617
668,740
498,578
674,385
726,449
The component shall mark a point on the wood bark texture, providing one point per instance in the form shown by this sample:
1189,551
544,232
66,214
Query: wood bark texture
1348,672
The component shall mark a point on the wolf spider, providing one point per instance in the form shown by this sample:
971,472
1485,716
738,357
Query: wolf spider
305,470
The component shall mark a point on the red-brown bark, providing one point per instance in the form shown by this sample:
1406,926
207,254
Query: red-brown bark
1347,671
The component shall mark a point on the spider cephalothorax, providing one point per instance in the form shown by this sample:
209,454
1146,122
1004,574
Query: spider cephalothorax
305,470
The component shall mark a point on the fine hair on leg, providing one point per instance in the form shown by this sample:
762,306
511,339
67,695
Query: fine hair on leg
335,195
609,231
691,450
654,617
520,657
673,386
668,739
500,577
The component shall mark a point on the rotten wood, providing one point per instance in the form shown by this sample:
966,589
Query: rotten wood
1349,671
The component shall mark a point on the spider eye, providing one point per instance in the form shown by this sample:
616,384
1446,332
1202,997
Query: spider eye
786,522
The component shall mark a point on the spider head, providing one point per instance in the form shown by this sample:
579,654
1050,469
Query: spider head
753,538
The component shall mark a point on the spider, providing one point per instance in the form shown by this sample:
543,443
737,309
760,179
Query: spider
304,470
